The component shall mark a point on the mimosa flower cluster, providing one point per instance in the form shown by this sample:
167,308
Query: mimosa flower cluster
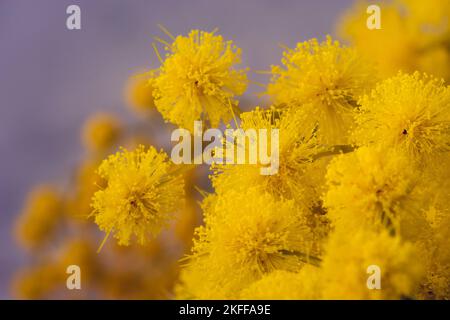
364,162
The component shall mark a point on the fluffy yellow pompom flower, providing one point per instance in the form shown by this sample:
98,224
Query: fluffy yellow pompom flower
198,80
142,194
408,112
299,176
348,257
286,285
101,131
43,210
324,81
377,190
244,240
139,91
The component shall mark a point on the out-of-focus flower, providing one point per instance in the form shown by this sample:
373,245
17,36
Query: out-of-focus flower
48,279
431,16
323,81
139,91
82,253
198,80
138,272
375,189
86,182
285,285
143,193
40,216
410,113
414,35
188,218
36,282
348,256
101,131
437,256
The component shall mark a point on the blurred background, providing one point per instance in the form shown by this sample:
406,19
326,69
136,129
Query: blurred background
52,79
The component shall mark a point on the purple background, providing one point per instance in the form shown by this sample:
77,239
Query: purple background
51,78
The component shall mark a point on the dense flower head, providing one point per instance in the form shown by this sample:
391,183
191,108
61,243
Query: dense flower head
407,112
244,240
35,282
198,80
349,255
142,194
299,176
375,189
324,81
432,16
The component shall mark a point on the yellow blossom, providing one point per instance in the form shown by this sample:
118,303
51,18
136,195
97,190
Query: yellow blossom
299,176
432,16
244,240
101,131
198,80
437,256
352,178
409,113
348,256
38,221
143,193
80,252
323,81
86,182
139,91
414,35
48,279
377,190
